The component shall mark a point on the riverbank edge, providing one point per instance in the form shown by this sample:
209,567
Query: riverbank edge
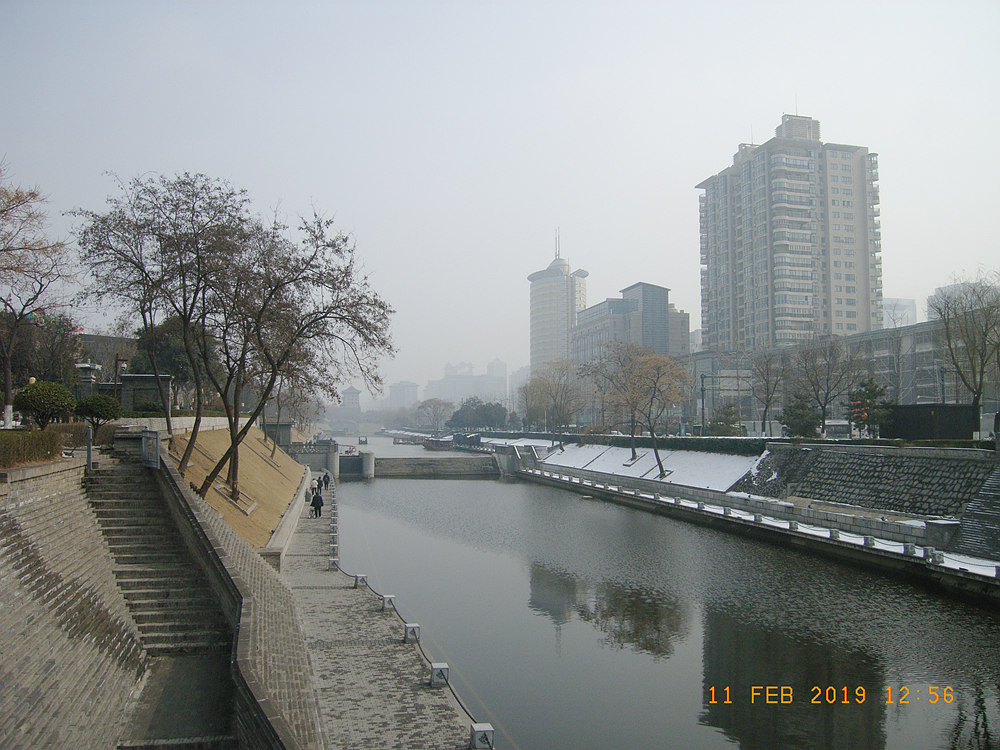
979,589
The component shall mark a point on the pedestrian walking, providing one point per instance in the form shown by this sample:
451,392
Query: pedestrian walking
317,504
326,480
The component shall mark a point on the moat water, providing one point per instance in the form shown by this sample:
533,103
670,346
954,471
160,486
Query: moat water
572,623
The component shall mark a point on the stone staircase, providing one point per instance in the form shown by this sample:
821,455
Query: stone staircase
980,532
166,593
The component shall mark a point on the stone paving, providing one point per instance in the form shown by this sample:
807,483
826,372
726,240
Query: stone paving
373,689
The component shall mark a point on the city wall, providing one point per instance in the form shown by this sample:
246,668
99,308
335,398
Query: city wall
70,656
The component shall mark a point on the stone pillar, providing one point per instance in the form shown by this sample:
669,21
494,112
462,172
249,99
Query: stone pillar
367,465
335,466
88,379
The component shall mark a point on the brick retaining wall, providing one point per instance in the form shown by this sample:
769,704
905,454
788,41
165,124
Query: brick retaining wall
70,656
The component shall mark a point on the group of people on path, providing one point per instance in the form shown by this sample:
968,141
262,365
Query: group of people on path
316,488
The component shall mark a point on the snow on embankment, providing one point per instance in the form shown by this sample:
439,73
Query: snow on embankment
713,471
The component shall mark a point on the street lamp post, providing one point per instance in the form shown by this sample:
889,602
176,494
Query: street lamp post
703,404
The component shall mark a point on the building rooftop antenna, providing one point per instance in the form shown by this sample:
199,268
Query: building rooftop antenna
557,242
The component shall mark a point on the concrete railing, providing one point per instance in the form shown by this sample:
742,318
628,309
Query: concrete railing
937,533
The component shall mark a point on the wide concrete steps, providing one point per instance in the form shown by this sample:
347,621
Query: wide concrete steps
979,535
167,594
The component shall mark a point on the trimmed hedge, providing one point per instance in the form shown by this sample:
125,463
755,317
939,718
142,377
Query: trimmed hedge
26,446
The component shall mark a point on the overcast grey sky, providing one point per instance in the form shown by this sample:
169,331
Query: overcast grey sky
453,138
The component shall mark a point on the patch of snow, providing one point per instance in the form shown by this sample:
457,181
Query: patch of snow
756,467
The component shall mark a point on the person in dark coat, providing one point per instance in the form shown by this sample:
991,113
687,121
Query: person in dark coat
326,480
317,504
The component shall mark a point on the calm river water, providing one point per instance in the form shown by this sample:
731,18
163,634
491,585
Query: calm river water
573,623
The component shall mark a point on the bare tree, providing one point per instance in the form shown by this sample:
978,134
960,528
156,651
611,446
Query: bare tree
31,267
663,380
897,319
530,402
435,411
824,371
766,373
618,376
126,266
969,312
278,298
562,396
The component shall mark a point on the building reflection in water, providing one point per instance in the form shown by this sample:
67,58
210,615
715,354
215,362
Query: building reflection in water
627,616
740,654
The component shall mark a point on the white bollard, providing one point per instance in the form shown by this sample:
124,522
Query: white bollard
360,580
481,737
333,563
439,673
834,533
388,599
411,632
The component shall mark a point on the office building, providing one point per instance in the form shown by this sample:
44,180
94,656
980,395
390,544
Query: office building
644,316
557,295
790,242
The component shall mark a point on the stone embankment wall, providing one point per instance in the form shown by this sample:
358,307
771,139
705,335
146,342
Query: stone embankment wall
914,481
70,655
437,467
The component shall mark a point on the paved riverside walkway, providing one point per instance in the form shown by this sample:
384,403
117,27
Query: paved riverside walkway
373,689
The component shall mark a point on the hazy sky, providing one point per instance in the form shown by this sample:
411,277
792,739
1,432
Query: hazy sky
452,139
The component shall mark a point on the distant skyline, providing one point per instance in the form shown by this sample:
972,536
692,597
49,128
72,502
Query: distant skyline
453,139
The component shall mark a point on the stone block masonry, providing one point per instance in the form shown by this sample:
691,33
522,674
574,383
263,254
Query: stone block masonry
914,481
70,656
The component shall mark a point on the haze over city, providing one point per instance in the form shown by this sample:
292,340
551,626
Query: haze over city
453,140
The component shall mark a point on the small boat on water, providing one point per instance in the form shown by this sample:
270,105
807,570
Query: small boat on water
362,440
438,444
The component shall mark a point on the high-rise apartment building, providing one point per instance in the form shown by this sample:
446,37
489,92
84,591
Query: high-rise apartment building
790,242
557,295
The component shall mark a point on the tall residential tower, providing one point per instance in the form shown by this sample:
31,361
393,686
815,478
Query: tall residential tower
790,242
